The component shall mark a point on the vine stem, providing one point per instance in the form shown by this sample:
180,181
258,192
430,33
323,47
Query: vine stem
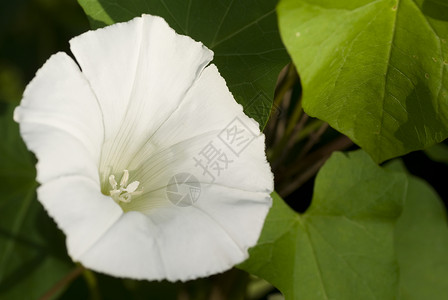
92,283
75,273
308,130
279,148
277,126
300,173
314,137
290,80
302,178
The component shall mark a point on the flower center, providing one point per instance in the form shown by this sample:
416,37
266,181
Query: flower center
125,191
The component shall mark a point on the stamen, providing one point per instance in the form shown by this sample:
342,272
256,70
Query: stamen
125,192
124,178
132,187
113,182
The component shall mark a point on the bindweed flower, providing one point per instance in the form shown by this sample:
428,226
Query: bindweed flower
145,160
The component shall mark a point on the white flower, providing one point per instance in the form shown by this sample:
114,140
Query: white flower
111,139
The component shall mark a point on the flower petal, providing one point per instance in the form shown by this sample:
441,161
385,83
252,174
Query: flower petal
80,210
208,106
176,146
58,153
180,243
60,121
159,107
140,71
128,249
214,233
248,172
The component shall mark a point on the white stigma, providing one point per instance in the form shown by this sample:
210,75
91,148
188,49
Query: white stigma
125,191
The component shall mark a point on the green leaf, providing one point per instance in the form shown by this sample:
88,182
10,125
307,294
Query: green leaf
422,244
373,69
29,263
343,246
438,152
243,34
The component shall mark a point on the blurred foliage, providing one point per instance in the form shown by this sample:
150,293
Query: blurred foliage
30,31
438,152
33,257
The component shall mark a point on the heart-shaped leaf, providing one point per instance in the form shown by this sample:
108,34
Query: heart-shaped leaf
421,242
343,246
376,70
